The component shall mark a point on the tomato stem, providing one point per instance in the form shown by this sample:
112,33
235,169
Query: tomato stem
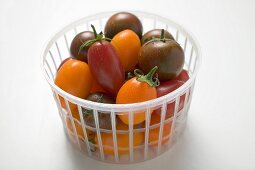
148,78
98,37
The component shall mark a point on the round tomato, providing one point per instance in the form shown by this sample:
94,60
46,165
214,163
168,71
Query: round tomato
74,77
122,140
127,44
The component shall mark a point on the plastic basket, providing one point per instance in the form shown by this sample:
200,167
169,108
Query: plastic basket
57,49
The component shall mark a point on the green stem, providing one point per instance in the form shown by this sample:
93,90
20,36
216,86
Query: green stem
148,78
98,37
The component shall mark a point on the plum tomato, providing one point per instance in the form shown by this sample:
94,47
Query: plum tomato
122,140
104,118
168,87
105,64
74,77
155,33
127,44
138,89
164,53
78,40
121,21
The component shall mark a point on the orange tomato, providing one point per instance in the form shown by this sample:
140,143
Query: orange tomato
137,89
74,77
79,130
127,44
154,133
122,140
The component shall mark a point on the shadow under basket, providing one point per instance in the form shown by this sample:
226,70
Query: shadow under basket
132,143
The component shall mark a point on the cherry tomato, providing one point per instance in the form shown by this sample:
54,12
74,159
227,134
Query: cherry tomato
103,118
137,89
78,40
169,86
155,33
154,133
64,62
105,65
74,77
121,21
127,45
79,130
122,140
167,54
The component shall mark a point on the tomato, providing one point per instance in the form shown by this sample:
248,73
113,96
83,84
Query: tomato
183,76
74,77
167,54
103,118
121,21
63,62
78,40
105,65
168,87
155,33
96,87
127,45
79,130
122,140
137,89
154,133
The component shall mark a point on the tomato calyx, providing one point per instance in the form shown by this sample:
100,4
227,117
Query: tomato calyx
148,78
98,37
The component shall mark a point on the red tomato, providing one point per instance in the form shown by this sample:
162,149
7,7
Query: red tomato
169,86
106,67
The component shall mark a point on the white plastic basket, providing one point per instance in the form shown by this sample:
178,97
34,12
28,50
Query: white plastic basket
57,49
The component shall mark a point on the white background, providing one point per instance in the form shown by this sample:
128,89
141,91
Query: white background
220,132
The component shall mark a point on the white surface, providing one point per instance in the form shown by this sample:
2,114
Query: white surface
220,132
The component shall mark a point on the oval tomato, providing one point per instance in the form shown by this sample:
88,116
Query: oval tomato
127,45
105,64
74,77
168,87
122,140
137,89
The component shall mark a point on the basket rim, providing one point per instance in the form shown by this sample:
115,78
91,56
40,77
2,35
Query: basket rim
121,107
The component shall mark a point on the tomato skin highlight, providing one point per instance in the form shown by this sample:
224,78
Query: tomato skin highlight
134,91
106,67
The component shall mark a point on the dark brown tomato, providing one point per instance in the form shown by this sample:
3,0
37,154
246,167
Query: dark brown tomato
167,55
155,33
78,40
103,118
121,21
